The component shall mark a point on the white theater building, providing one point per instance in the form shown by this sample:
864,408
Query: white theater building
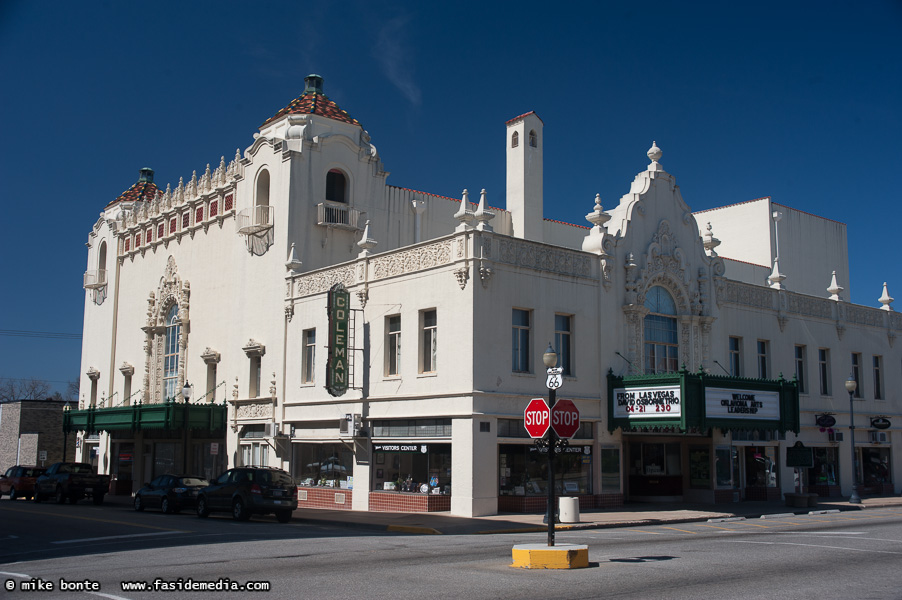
672,327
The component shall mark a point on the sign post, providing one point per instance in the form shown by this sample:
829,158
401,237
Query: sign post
539,422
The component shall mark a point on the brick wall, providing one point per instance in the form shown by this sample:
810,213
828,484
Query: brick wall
335,499
398,502
9,434
46,419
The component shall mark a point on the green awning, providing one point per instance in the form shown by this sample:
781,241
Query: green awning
686,401
165,415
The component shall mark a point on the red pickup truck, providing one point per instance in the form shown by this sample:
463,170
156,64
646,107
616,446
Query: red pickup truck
71,481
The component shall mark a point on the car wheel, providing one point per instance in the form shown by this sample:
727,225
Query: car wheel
139,504
73,499
97,499
12,493
60,497
37,496
164,505
283,516
202,511
239,510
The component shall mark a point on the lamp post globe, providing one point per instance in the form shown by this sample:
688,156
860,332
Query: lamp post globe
550,357
851,386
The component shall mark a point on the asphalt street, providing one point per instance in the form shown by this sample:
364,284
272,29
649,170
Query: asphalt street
97,550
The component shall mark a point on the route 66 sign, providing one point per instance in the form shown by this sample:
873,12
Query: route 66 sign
555,379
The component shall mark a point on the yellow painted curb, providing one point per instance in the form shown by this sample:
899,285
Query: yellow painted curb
540,556
407,529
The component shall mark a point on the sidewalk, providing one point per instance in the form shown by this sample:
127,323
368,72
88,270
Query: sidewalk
629,514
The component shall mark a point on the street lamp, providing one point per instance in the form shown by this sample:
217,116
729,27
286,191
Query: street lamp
550,360
186,394
851,386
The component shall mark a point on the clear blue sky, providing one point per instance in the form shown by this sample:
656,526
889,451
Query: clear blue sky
799,101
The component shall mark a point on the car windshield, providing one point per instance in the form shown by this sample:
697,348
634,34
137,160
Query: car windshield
33,472
193,481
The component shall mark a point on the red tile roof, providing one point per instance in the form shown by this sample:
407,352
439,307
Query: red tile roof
313,103
523,116
142,190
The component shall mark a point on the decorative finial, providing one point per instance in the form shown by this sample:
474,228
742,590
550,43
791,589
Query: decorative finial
886,299
366,243
710,242
835,289
597,217
483,214
654,153
464,214
294,263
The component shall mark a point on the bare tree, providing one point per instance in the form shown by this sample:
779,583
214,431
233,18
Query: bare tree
23,389
72,389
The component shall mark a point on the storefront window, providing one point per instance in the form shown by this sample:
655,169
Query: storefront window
655,459
723,467
610,470
328,465
523,470
700,467
412,467
875,466
826,467
760,466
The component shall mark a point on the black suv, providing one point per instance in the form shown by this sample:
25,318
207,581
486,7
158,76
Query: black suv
250,490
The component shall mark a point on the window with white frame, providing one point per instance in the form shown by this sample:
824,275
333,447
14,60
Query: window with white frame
735,356
171,353
520,321
763,359
563,328
661,339
309,358
800,358
856,374
878,379
428,340
823,366
392,345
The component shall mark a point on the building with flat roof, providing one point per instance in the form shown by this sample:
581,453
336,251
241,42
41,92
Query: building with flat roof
290,308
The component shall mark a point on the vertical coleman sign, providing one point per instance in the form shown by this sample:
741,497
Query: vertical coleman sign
337,367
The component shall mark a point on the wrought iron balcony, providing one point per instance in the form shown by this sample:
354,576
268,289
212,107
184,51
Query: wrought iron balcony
338,215
95,279
254,220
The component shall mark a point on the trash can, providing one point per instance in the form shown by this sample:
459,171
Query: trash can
569,509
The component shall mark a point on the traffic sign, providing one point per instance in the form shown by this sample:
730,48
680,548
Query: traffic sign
554,380
565,418
537,418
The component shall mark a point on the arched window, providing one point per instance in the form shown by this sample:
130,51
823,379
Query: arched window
101,262
661,341
515,139
262,197
533,139
171,354
336,186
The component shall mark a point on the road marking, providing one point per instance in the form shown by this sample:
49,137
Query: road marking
643,531
817,546
716,527
119,537
820,532
31,512
754,525
110,596
22,575
683,530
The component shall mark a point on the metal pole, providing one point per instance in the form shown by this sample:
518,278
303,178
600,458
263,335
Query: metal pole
552,442
854,498
185,450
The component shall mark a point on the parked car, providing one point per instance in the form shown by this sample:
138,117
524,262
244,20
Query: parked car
18,481
250,490
170,493
71,481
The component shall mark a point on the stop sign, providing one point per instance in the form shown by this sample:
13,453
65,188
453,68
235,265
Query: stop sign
565,418
537,418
